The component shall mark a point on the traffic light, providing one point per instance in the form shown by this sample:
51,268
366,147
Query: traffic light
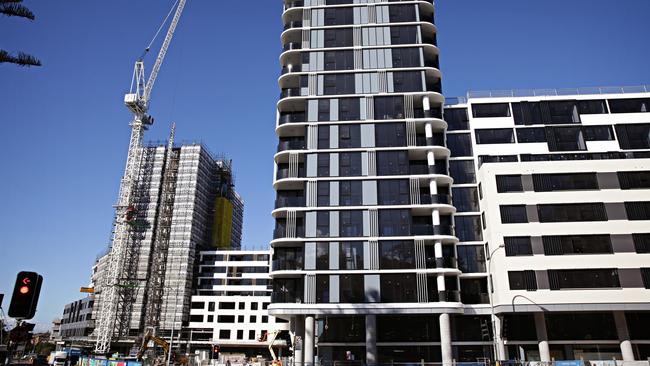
25,296
215,352
486,332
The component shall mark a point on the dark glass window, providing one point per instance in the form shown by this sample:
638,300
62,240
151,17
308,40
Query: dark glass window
322,224
513,214
563,111
406,57
564,182
522,280
225,319
405,34
349,109
351,289
465,199
351,256
633,136
323,198
338,37
224,334
495,136
323,110
461,170
474,291
482,159
471,258
398,287
343,328
350,164
396,255
392,163
634,180
471,328
598,133
572,212
388,108
338,84
641,242
533,134
324,137
581,325
224,306
350,193
322,256
645,276
351,223
637,210
583,278
577,244
528,113
338,16
393,192
401,13
407,81
565,139
592,107
460,144
390,134
457,119
629,105
517,246
394,222
422,328
468,228
323,168
491,110
349,136
339,60
509,183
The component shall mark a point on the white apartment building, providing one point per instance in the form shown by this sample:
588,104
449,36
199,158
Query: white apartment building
230,308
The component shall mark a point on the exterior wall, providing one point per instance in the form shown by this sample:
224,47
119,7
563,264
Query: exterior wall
76,322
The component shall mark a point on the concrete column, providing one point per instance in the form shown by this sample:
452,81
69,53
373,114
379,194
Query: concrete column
308,348
623,336
426,105
299,329
371,339
501,347
433,186
445,340
435,217
428,130
542,338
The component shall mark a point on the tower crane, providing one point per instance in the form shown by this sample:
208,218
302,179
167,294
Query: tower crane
113,298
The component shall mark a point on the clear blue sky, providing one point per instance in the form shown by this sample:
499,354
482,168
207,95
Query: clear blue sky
65,129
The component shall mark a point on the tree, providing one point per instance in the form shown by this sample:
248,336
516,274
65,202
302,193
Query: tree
14,8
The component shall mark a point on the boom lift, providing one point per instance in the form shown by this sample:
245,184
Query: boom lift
116,296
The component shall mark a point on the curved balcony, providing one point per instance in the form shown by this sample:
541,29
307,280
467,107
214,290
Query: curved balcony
287,264
293,68
289,202
283,173
294,4
290,92
291,118
292,145
293,24
281,232
436,199
291,46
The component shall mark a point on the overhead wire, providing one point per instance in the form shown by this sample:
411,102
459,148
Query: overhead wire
159,29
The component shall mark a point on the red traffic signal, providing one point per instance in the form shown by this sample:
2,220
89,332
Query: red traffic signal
25,296
215,352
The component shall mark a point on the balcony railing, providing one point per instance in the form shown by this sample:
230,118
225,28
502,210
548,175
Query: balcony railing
416,169
444,262
281,232
281,297
443,230
289,202
291,118
473,298
437,199
291,46
290,92
293,24
283,173
449,296
291,145
293,68
287,264
294,4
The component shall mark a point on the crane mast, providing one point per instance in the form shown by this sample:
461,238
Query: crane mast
115,290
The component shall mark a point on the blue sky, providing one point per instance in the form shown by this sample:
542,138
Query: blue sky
65,129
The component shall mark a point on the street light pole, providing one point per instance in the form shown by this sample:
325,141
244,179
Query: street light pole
495,346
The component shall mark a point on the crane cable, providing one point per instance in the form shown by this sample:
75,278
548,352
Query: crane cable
159,29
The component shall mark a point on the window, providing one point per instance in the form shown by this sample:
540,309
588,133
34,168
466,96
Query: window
572,212
401,13
397,287
349,136
193,318
394,222
396,255
577,244
468,228
461,170
392,163
406,34
465,199
634,180
474,291
583,278
322,224
598,133
517,246
522,280
637,210
323,109
225,319
242,306
338,16
393,192
323,137
388,108
390,134
482,159
629,105
265,305
351,256
563,111
633,136
240,334
338,84
323,198
349,108
509,183
528,113
351,223
349,164
265,319
254,306
224,334
581,325
471,258
565,139
460,144
592,107
227,305
322,288
495,136
406,57
322,256
251,334
645,275
457,119
350,193
513,214
491,110
323,168
565,182
211,306
198,305
240,318
641,242
534,134
351,289
338,37
407,81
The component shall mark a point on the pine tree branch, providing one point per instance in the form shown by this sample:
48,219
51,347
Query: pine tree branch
22,59
16,10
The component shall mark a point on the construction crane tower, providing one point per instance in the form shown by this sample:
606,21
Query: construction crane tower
117,297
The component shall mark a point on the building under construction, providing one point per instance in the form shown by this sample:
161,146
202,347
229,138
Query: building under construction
183,202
